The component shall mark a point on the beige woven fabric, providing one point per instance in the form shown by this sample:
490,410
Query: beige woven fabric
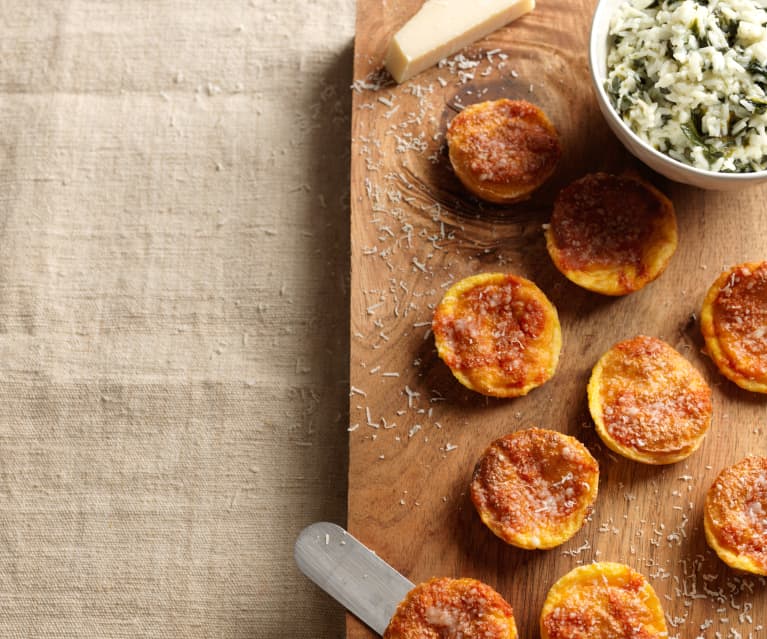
173,323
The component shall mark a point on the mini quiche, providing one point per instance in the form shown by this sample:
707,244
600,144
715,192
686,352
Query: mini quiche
498,333
648,402
534,488
611,234
735,515
602,600
502,150
444,607
734,325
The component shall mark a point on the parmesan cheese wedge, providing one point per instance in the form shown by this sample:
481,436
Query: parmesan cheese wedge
442,27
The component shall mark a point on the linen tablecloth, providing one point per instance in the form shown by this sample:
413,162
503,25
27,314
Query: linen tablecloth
173,313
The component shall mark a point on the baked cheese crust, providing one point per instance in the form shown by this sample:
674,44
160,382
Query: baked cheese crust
602,601
611,234
735,515
498,333
503,150
534,488
648,402
444,607
734,325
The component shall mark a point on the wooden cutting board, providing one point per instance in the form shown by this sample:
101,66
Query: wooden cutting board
415,433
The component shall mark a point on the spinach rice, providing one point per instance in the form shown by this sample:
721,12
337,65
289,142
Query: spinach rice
690,77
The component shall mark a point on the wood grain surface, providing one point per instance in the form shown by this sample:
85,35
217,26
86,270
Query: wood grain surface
415,433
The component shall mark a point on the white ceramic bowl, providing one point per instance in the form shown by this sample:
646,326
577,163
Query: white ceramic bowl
663,164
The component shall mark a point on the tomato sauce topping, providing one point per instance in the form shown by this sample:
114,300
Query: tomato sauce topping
605,220
601,607
652,398
533,479
505,141
737,508
444,607
493,325
740,320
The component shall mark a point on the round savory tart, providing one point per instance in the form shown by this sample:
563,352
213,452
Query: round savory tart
602,600
498,333
734,325
502,150
735,515
648,402
534,488
444,607
611,234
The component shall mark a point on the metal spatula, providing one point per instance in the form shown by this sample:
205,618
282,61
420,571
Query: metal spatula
351,573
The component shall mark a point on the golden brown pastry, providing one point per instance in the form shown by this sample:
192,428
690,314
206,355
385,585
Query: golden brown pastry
602,601
735,515
734,324
498,333
611,234
444,607
503,150
534,488
648,402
